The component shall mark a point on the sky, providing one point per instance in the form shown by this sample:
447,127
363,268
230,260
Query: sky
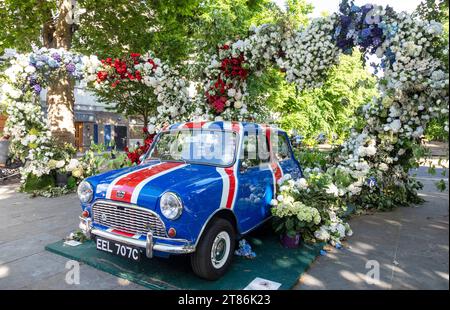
333,5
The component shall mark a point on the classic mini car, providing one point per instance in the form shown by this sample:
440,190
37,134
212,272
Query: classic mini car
199,188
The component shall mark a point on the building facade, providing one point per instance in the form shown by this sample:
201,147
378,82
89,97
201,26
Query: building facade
95,122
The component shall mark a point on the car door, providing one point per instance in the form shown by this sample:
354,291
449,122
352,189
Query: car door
255,182
282,152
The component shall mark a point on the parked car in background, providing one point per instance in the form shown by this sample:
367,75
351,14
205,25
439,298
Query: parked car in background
199,188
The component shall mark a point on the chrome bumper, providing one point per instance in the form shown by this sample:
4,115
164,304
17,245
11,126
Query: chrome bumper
150,244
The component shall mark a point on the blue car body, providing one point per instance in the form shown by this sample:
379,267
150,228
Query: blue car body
206,191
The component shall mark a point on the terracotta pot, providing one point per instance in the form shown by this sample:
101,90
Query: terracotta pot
290,242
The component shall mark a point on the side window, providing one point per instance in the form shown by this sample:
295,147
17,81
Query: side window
280,146
255,150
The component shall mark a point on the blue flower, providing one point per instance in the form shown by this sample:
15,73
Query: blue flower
337,32
355,8
53,63
39,64
365,32
372,181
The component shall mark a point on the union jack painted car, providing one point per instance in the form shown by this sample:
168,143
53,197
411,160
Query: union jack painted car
199,188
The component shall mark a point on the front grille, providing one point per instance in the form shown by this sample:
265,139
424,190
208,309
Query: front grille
127,218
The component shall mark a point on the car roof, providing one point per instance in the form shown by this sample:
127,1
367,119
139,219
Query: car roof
223,125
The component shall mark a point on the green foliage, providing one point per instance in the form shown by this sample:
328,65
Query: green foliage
435,130
311,158
115,28
22,22
441,185
34,183
330,109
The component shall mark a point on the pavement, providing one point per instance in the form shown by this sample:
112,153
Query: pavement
410,246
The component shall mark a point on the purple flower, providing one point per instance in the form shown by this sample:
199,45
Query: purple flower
377,32
377,41
32,80
37,88
345,21
366,8
56,56
70,68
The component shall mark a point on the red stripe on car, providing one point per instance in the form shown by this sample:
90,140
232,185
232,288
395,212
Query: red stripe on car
123,189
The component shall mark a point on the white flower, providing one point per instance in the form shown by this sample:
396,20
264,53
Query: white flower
395,125
302,183
73,164
332,190
383,167
231,92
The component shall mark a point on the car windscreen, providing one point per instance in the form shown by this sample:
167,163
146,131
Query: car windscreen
202,146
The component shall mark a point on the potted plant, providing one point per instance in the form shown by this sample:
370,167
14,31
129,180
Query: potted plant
292,219
4,149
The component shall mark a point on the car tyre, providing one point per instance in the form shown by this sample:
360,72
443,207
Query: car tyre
215,250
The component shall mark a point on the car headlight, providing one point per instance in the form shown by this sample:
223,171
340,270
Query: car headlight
171,205
85,192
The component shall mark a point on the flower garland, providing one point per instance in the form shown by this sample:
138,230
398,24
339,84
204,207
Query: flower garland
225,89
370,169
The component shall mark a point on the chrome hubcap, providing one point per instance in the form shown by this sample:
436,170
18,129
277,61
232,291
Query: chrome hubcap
220,249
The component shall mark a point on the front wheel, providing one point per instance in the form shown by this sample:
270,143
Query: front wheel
215,250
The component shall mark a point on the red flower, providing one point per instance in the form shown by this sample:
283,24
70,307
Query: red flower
155,66
226,47
138,75
135,55
101,76
148,140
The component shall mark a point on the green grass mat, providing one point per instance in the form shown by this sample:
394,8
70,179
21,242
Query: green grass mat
272,262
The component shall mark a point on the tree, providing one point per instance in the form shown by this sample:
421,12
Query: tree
183,37
104,28
32,22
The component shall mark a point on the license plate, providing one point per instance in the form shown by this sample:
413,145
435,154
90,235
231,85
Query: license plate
118,248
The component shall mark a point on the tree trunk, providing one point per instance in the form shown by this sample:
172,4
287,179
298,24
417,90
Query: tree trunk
145,119
60,94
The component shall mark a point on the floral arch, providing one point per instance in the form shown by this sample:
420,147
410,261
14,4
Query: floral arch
371,164
371,168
